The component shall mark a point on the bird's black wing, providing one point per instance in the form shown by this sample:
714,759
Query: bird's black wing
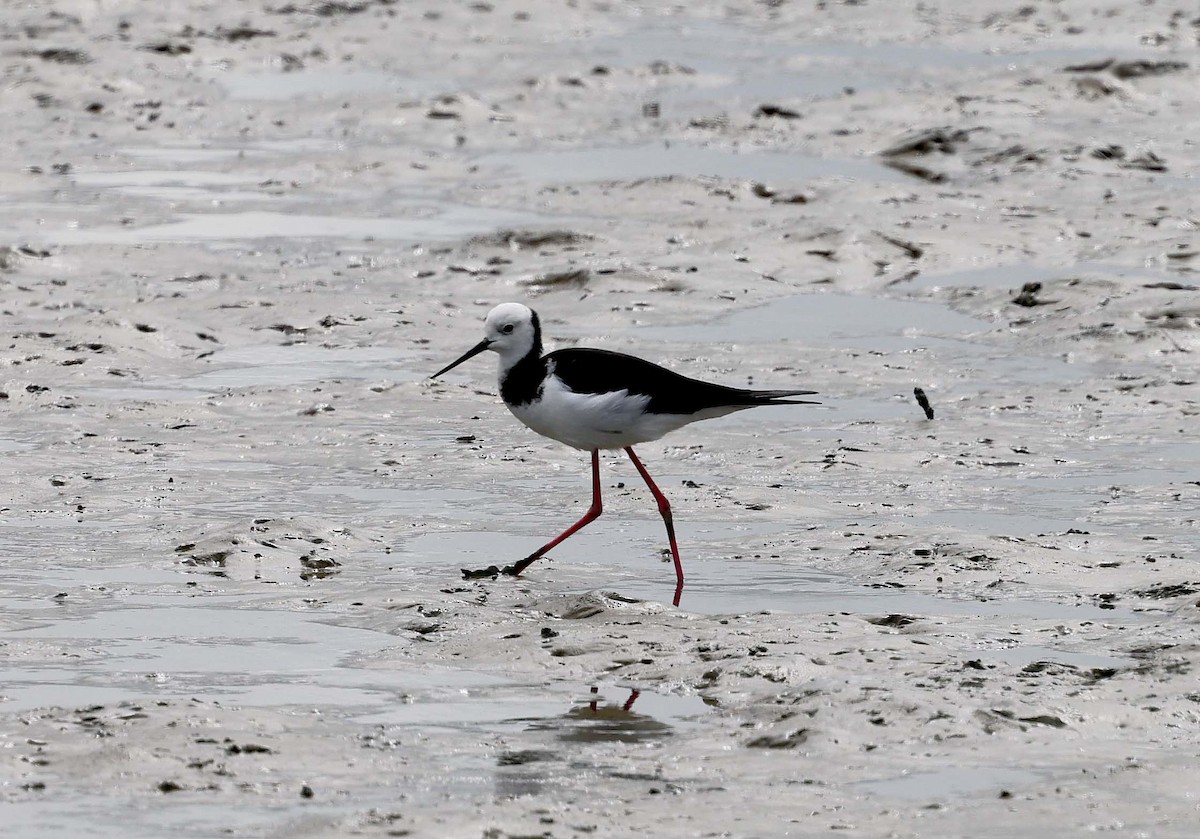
586,370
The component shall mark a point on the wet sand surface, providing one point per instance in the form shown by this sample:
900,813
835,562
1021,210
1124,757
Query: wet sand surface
236,239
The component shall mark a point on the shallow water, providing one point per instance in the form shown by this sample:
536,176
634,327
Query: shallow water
656,160
433,219
113,816
623,557
604,714
270,365
142,178
572,716
1015,276
948,784
881,324
919,335
730,61
95,615
173,647
222,150
176,647
319,83
737,63
1026,654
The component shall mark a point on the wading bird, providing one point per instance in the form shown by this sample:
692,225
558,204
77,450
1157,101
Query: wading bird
594,399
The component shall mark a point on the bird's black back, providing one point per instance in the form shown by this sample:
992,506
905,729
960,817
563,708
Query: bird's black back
586,370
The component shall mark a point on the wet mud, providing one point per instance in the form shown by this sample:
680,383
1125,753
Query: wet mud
959,597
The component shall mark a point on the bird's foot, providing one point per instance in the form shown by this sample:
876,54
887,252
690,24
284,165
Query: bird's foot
492,571
516,568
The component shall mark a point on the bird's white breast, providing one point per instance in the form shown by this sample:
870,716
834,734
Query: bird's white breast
594,420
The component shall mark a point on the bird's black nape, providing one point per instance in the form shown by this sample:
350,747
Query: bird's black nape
537,333
524,381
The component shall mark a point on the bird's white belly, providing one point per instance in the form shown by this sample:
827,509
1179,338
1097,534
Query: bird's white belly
594,421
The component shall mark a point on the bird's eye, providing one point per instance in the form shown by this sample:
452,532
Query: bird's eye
507,329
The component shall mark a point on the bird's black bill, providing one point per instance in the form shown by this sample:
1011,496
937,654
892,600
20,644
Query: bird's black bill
471,353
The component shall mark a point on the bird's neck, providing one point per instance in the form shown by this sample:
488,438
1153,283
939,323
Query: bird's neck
521,382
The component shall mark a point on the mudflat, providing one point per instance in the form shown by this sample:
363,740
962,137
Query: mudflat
236,239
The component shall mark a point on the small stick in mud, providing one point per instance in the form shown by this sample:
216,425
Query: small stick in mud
923,401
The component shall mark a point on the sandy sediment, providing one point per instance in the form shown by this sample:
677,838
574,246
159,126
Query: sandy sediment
235,239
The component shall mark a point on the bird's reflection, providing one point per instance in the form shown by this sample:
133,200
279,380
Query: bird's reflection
596,721
590,720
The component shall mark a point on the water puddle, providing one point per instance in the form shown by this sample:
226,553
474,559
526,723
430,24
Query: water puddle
606,714
625,558
623,715
108,816
270,365
246,656
950,783
958,344
292,364
742,62
135,393
408,500
322,83
433,219
637,539
724,588
137,180
1029,494
176,175
992,276
1101,463
195,815
880,324
266,658
731,62
1024,655
1015,276
189,153
602,714
49,577
8,444
1040,499
1043,509
492,502
656,160
189,194
1017,515
480,709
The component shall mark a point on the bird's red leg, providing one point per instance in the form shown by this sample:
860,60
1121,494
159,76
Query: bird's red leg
664,507
634,693
591,515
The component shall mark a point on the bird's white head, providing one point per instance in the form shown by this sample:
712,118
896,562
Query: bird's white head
512,331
